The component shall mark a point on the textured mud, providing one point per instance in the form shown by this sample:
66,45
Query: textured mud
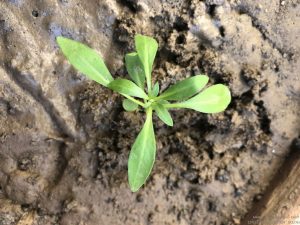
64,140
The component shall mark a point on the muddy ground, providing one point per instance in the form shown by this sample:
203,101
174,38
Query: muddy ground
65,140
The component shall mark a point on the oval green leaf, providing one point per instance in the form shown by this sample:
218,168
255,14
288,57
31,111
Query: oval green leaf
142,155
86,60
155,90
146,48
127,87
212,100
135,69
163,114
129,105
185,89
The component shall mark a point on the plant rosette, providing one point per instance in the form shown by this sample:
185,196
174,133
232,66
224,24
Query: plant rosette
189,93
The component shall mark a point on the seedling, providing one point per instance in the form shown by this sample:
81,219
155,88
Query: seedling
184,94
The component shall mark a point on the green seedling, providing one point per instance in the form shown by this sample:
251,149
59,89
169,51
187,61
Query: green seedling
188,93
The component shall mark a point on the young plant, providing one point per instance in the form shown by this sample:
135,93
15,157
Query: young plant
184,94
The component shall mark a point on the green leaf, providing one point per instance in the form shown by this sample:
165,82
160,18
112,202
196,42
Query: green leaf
214,99
185,89
142,155
135,69
129,105
163,102
155,90
86,60
146,48
127,87
163,114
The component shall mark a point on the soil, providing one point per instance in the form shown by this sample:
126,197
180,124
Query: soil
65,140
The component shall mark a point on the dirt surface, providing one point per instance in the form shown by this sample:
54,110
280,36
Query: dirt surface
65,140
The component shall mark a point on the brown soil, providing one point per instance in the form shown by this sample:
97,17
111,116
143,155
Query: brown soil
64,140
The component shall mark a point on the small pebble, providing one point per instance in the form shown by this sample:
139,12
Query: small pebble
238,192
222,176
139,198
35,13
236,220
257,197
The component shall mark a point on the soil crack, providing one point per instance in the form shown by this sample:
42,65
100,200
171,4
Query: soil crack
34,89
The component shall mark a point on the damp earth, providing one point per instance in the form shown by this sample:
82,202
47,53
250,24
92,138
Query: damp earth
65,140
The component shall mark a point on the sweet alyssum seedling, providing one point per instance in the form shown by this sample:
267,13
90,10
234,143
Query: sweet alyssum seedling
187,93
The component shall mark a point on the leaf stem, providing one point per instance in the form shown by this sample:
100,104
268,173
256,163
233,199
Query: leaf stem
134,100
156,98
148,78
173,105
149,112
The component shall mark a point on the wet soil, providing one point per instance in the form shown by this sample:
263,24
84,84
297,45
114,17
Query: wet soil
65,140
